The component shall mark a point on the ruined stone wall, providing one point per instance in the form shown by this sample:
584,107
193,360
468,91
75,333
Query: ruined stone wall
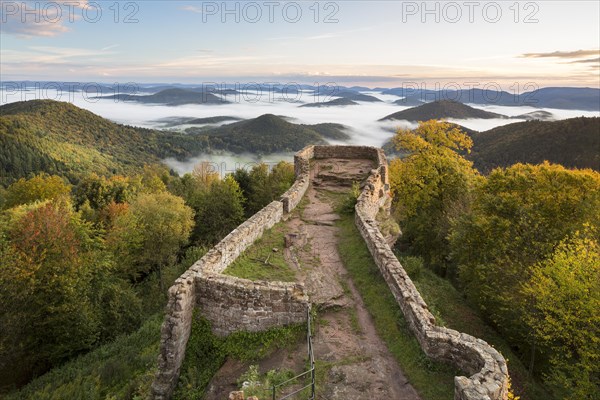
230,304
233,304
236,304
487,368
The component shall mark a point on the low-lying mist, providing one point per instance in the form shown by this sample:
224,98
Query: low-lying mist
361,120
224,163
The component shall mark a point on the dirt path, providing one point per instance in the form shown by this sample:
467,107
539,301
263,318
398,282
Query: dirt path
354,362
361,366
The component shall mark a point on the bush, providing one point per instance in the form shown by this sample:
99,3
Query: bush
412,265
347,206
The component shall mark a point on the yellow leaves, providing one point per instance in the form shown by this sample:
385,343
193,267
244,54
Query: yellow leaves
432,134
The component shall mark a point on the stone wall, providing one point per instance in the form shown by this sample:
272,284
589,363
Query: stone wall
487,368
236,304
230,304
233,304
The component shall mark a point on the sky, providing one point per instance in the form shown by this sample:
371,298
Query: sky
517,45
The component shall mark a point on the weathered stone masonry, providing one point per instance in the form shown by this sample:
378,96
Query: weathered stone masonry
237,304
229,303
487,368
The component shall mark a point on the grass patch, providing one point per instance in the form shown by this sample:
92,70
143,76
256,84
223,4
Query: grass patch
206,353
354,323
388,319
260,385
123,369
261,262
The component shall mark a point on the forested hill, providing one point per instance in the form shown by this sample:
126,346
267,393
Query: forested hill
573,143
440,110
60,138
171,97
267,133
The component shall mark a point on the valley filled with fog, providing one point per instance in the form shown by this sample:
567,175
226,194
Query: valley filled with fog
361,120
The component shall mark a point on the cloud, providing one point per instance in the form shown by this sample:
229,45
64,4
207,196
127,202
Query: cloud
563,54
112,46
12,25
191,9
586,61
27,19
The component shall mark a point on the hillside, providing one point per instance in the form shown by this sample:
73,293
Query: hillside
265,134
355,96
330,130
332,103
573,143
176,121
409,102
567,98
564,98
539,115
440,110
171,97
60,138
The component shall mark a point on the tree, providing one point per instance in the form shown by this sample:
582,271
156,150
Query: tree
518,217
40,187
561,310
261,186
431,187
150,234
47,315
220,210
98,191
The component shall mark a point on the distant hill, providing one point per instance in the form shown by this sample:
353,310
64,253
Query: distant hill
176,121
567,98
332,103
171,97
440,110
355,96
331,131
409,102
536,115
574,143
564,98
60,138
265,134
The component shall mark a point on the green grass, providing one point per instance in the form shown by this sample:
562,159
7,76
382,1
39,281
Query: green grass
260,262
445,302
206,353
388,319
123,369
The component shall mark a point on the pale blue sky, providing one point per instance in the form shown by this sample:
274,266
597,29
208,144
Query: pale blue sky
373,43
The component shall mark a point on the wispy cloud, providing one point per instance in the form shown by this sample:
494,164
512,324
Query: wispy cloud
586,61
563,54
191,9
112,46
39,20
12,25
328,35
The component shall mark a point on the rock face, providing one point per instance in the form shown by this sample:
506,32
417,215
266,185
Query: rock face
233,304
